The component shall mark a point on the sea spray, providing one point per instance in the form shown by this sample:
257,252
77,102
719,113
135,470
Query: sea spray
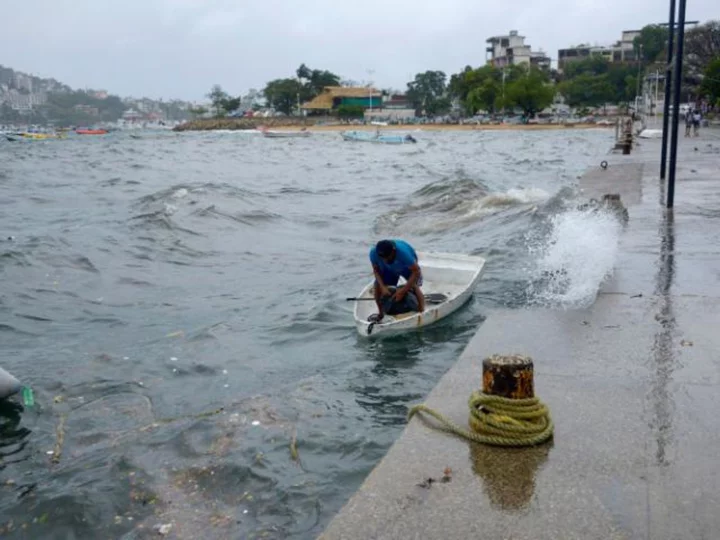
574,259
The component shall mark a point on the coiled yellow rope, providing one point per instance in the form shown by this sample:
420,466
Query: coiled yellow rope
499,421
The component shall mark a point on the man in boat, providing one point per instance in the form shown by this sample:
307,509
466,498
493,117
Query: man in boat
391,259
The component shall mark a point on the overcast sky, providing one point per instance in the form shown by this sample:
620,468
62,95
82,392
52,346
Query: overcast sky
180,48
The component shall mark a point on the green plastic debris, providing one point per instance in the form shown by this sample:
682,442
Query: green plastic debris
28,398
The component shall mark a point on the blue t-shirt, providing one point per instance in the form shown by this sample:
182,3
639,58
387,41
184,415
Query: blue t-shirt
405,257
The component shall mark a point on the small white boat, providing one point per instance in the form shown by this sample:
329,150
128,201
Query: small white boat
377,138
448,278
285,134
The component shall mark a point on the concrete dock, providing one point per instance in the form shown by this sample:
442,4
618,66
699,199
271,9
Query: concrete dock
632,383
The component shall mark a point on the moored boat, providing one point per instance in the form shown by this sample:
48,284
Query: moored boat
448,280
91,131
378,138
284,134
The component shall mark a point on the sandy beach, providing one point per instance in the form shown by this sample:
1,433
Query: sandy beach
446,127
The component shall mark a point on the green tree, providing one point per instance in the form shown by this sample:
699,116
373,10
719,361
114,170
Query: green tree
350,111
595,64
314,81
623,80
283,94
711,80
458,86
218,97
531,92
485,96
428,93
587,90
231,104
303,72
8,114
198,111
651,43
702,46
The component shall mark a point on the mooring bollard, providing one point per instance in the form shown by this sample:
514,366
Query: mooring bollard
508,376
506,411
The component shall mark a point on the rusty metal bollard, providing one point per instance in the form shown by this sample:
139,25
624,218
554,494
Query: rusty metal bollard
509,376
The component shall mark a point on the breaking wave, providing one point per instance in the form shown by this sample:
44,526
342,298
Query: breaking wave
450,204
573,260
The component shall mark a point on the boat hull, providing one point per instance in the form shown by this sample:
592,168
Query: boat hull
359,136
453,275
285,134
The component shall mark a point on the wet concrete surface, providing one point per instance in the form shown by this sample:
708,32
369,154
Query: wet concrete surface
632,382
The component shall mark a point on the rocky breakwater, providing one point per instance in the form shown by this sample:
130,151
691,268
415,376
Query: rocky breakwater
206,124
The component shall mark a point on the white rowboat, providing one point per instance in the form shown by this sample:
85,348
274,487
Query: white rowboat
285,134
450,274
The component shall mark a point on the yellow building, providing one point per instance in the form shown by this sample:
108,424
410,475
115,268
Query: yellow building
333,97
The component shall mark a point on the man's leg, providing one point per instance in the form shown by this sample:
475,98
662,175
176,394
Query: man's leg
420,297
390,280
419,294
376,293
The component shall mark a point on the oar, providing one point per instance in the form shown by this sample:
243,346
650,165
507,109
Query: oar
431,298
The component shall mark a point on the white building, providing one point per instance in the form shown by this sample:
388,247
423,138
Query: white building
23,82
511,50
25,102
622,51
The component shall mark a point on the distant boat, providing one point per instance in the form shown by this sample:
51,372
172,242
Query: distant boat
32,136
91,131
284,134
363,136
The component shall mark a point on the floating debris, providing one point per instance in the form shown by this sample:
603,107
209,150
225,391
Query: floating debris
164,529
293,447
59,440
28,397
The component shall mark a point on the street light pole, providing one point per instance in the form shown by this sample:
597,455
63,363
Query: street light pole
677,87
666,101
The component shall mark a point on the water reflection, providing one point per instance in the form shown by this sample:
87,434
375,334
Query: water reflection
13,438
663,352
508,473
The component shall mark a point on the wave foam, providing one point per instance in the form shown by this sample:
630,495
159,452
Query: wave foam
576,258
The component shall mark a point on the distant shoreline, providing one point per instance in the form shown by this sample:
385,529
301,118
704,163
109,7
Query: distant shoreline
285,124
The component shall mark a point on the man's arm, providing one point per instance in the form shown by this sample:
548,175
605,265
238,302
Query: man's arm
379,279
414,276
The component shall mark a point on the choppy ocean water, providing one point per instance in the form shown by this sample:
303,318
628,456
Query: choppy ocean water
177,304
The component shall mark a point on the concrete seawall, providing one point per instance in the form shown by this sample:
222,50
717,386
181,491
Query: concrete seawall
632,382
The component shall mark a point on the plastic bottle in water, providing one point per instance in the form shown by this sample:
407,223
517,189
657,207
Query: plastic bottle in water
28,398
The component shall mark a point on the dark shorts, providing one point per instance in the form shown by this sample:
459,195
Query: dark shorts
391,279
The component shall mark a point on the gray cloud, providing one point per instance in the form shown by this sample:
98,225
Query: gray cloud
179,48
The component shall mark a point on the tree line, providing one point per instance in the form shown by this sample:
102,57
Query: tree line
591,82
